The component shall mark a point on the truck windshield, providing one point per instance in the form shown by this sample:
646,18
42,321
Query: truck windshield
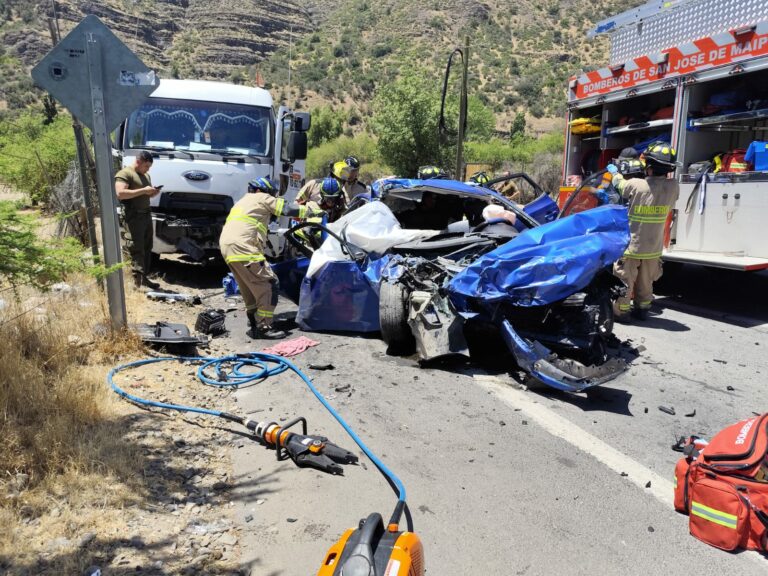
218,128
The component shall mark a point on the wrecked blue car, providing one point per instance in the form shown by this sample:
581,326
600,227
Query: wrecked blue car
427,263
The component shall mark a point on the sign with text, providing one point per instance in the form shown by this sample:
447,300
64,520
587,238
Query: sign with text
710,52
64,72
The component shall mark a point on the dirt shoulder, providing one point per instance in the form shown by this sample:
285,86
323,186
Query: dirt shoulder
145,491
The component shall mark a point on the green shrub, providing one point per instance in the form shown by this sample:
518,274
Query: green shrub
35,156
363,146
25,259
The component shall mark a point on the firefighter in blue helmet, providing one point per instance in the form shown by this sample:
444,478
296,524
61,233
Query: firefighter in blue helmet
242,246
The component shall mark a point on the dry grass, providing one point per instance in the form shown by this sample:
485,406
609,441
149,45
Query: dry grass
62,457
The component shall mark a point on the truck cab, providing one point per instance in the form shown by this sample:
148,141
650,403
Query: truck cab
208,139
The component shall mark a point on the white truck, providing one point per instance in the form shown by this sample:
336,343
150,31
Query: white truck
693,73
208,140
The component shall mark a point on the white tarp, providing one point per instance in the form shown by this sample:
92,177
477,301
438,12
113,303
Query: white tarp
372,228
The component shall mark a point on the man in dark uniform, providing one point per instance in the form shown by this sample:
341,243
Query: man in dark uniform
134,189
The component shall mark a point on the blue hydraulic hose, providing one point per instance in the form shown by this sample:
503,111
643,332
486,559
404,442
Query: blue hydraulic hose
235,378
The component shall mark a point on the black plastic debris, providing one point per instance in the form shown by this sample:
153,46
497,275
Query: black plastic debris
211,322
167,333
667,410
691,414
321,367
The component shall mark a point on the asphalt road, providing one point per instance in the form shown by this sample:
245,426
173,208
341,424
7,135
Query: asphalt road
506,481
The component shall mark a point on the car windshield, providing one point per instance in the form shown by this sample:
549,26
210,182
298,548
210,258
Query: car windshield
218,128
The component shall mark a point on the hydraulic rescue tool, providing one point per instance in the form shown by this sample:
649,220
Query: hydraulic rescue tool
369,550
306,451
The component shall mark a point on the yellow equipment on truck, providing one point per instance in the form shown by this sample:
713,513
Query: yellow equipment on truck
693,73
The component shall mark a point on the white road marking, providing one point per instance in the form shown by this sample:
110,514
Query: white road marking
661,488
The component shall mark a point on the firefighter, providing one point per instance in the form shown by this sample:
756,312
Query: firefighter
649,202
242,246
430,172
323,195
348,177
480,178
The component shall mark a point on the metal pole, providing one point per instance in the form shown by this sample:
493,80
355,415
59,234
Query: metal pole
105,180
84,184
462,113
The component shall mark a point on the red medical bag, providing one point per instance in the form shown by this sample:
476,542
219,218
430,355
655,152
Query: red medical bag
724,489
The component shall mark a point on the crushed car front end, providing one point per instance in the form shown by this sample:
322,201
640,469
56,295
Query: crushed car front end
544,291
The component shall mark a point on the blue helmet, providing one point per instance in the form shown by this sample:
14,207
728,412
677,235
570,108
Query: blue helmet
330,188
263,185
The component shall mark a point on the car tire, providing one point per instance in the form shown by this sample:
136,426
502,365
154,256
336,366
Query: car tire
393,319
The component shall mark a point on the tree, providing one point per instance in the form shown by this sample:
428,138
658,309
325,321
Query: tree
49,109
517,130
406,114
327,124
26,259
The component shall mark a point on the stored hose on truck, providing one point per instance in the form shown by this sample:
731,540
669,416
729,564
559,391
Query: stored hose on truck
235,371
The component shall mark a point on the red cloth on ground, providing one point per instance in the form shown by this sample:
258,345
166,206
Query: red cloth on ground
293,347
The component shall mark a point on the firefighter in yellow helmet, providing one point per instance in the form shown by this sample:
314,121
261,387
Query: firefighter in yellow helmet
242,245
347,171
649,202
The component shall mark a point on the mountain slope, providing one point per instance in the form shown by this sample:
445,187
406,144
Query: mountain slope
338,51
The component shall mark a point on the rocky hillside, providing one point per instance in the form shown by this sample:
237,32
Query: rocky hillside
338,51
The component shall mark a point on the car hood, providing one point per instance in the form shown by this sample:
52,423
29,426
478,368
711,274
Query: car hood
548,263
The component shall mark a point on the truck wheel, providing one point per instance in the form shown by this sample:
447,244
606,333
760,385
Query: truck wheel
393,319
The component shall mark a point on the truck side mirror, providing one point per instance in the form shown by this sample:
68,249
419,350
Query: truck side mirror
301,121
297,146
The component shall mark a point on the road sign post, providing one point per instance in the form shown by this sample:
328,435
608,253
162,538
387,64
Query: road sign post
105,182
117,83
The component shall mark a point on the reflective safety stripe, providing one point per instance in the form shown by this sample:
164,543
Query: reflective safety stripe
716,516
245,258
237,215
302,212
648,219
625,307
279,206
641,256
643,304
264,313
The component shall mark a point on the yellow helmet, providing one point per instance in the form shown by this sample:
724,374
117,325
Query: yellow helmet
342,170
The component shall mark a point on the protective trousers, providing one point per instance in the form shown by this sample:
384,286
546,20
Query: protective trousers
259,287
137,232
639,276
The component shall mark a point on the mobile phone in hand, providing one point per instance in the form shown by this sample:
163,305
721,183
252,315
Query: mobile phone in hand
159,187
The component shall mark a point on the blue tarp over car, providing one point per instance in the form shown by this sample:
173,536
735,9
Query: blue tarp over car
548,263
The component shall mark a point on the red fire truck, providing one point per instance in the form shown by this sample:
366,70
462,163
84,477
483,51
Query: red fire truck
693,73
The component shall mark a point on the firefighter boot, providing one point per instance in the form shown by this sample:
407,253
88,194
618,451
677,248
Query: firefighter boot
256,332
640,313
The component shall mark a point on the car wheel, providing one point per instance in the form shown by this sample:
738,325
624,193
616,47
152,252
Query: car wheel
393,318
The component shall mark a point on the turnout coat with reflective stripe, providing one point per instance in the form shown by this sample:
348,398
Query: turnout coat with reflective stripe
650,202
244,234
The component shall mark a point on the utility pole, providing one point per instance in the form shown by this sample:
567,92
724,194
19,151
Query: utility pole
290,57
462,112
